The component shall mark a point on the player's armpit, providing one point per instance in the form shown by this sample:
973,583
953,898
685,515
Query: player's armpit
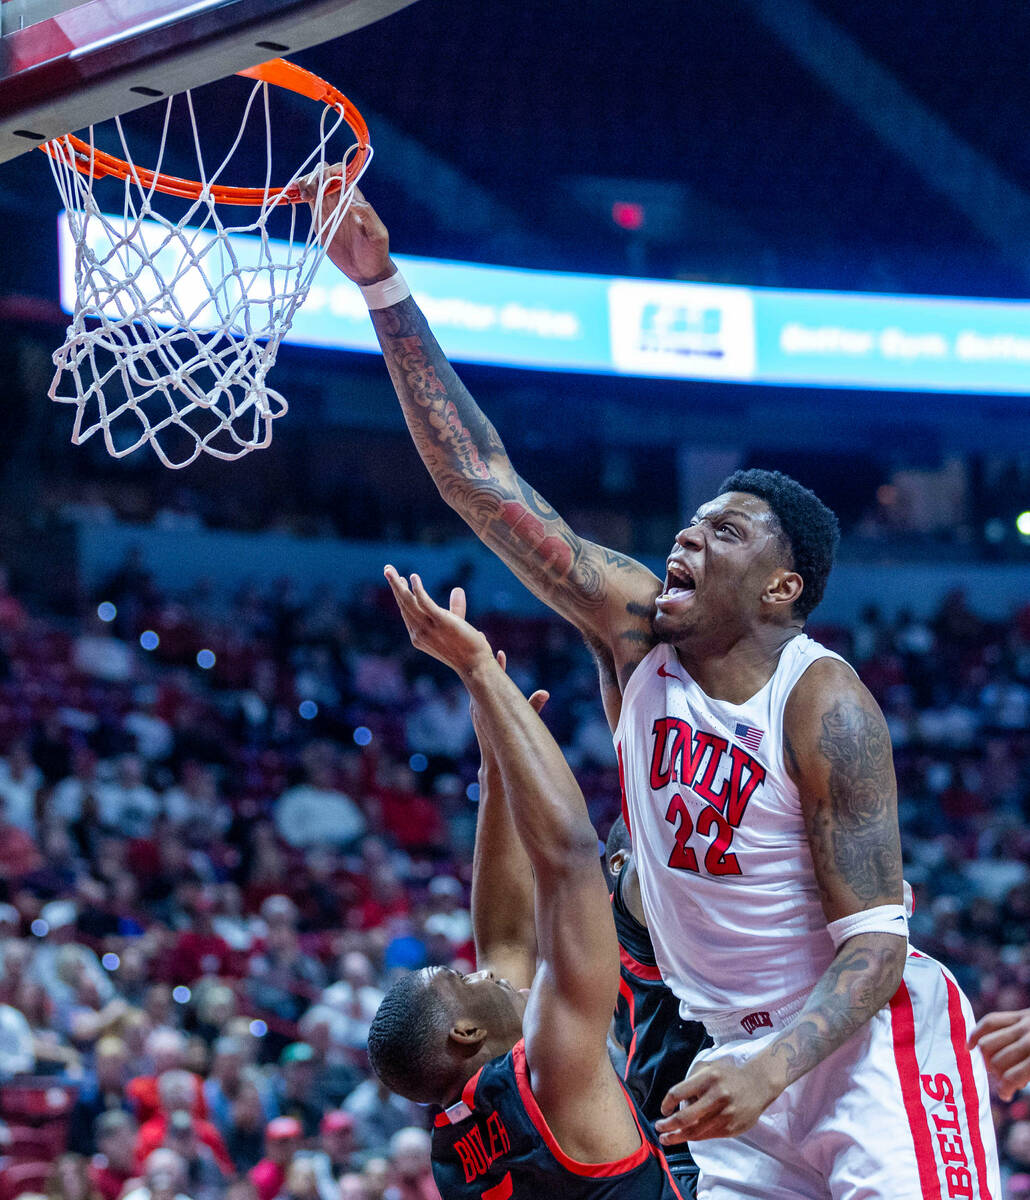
603,593
839,754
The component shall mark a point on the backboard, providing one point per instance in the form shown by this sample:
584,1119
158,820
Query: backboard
66,64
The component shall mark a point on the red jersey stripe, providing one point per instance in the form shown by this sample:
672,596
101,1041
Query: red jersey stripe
598,1170
627,994
903,1027
970,1096
639,969
468,1092
622,789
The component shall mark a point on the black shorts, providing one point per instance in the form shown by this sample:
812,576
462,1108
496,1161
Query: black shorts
685,1175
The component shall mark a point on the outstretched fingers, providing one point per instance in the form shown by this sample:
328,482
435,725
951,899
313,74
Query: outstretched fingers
402,594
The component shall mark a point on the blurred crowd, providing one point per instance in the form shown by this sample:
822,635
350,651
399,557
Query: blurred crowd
228,822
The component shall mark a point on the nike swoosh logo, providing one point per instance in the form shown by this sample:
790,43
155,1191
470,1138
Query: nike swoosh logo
668,675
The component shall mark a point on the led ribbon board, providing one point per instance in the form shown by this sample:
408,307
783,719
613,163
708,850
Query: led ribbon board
610,325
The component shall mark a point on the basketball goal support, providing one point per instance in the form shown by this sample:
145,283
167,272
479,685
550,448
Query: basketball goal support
97,60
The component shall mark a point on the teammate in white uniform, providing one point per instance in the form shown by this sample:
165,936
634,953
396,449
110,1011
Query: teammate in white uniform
761,797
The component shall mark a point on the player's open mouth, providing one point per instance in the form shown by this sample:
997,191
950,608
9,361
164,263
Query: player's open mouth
680,587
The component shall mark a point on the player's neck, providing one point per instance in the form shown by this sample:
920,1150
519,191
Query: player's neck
736,672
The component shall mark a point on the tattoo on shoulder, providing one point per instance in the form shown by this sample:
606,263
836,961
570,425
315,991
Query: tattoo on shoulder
861,841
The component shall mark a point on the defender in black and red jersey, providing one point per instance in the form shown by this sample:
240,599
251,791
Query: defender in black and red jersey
516,1054
659,1044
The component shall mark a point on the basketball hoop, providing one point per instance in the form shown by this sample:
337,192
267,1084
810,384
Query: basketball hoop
174,330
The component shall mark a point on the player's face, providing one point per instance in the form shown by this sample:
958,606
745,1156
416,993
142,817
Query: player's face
718,568
489,1000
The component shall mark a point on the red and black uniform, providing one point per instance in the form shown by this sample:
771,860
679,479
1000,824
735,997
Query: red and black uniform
659,1044
496,1145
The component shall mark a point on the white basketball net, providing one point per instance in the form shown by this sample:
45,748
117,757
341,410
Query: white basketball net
176,327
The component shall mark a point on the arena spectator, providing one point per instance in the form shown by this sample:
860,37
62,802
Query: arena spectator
1016,1147
282,1141
301,1181
230,922
245,1129
215,1005
448,915
299,1090
177,1093
439,726
127,803
166,1050
17,1045
101,1090
379,1113
59,919
199,950
100,654
355,997
20,783
411,818
316,812
412,1172
283,980
114,1164
69,1179
19,855
337,1056
194,805
222,1086
337,1153
352,1187
205,1174
163,1178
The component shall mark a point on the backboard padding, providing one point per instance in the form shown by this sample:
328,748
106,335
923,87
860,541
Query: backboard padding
92,63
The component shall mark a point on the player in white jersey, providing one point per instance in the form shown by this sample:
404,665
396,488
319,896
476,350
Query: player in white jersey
761,798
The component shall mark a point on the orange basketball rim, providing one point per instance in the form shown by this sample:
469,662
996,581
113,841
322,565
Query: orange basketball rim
98,163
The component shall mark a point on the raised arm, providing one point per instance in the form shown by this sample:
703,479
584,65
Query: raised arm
577,978
503,918
839,754
605,594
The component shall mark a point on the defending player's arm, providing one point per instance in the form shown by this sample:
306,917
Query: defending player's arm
1004,1038
605,594
503,921
573,994
839,754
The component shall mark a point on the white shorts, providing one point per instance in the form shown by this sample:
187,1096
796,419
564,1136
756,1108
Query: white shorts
901,1111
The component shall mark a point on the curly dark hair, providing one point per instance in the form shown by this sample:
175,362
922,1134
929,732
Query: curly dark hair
405,1041
810,530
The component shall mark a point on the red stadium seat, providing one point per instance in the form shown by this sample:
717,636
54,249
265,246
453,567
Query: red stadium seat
34,1143
23,1177
35,1100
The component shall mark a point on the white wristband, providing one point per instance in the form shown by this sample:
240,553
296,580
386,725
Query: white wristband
386,291
885,918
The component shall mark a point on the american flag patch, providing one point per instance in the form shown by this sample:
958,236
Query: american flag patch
749,735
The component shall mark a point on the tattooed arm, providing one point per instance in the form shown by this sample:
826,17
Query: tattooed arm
839,754
605,594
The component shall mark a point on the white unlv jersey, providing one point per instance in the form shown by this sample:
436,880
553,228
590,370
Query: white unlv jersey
719,841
